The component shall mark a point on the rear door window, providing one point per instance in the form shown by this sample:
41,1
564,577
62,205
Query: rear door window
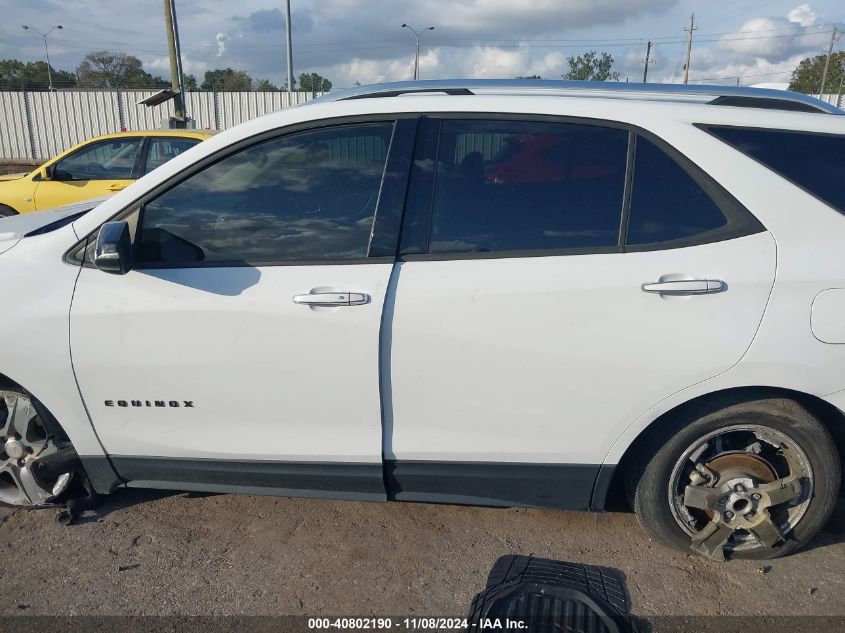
522,186
161,150
814,162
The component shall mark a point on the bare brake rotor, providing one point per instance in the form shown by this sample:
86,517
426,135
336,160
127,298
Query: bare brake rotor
742,489
23,441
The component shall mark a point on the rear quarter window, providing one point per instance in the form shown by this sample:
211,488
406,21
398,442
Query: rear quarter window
814,162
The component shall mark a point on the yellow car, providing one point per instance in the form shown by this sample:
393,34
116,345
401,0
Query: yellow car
99,167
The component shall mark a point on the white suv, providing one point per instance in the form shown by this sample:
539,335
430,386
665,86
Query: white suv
542,294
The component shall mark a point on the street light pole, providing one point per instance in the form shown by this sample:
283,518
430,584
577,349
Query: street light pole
46,50
290,50
417,56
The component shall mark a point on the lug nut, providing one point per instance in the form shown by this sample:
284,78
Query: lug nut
729,515
756,496
723,500
739,488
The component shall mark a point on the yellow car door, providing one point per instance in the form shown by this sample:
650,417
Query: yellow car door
100,168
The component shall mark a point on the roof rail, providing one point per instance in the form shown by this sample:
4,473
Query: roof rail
714,95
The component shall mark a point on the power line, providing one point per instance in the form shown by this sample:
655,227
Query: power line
470,42
780,72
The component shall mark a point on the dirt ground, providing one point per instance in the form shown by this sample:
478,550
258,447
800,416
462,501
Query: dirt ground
159,553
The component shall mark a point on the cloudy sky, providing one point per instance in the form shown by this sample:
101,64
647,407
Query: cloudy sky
361,40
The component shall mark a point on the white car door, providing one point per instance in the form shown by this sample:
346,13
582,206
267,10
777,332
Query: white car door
526,335
242,349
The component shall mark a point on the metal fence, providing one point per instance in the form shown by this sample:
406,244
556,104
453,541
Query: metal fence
38,125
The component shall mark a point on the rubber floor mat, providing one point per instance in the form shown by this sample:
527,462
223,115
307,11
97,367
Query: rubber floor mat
536,594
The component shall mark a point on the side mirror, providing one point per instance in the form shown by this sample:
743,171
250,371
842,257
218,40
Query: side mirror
113,250
48,172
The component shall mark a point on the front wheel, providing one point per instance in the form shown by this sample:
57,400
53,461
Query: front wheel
752,480
26,446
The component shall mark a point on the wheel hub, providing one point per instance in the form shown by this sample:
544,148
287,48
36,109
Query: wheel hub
739,474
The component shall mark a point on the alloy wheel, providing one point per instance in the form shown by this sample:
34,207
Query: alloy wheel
24,441
740,488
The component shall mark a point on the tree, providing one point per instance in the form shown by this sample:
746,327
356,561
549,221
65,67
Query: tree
18,75
226,80
807,78
312,82
591,67
106,69
265,85
190,83
529,77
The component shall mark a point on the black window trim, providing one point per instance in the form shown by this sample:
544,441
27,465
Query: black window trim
75,255
705,127
748,224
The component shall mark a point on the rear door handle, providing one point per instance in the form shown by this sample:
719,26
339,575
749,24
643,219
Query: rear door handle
685,287
116,187
332,299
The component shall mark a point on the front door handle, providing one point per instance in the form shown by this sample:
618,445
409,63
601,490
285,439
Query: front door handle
685,287
116,187
332,299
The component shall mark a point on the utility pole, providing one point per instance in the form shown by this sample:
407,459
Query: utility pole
841,79
646,62
290,47
827,61
176,80
689,29
417,56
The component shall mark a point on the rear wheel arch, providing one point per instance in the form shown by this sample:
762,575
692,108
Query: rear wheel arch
630,467
7,211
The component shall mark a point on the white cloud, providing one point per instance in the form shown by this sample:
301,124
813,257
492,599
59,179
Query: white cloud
221,43
803,15
775,38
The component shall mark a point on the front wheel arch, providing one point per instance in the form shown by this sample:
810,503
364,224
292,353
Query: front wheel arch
7,211
54,426
619,496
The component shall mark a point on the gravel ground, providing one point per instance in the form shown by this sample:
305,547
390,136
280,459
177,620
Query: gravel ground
159,553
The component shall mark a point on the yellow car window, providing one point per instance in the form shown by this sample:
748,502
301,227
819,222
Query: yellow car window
114,159
162,150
